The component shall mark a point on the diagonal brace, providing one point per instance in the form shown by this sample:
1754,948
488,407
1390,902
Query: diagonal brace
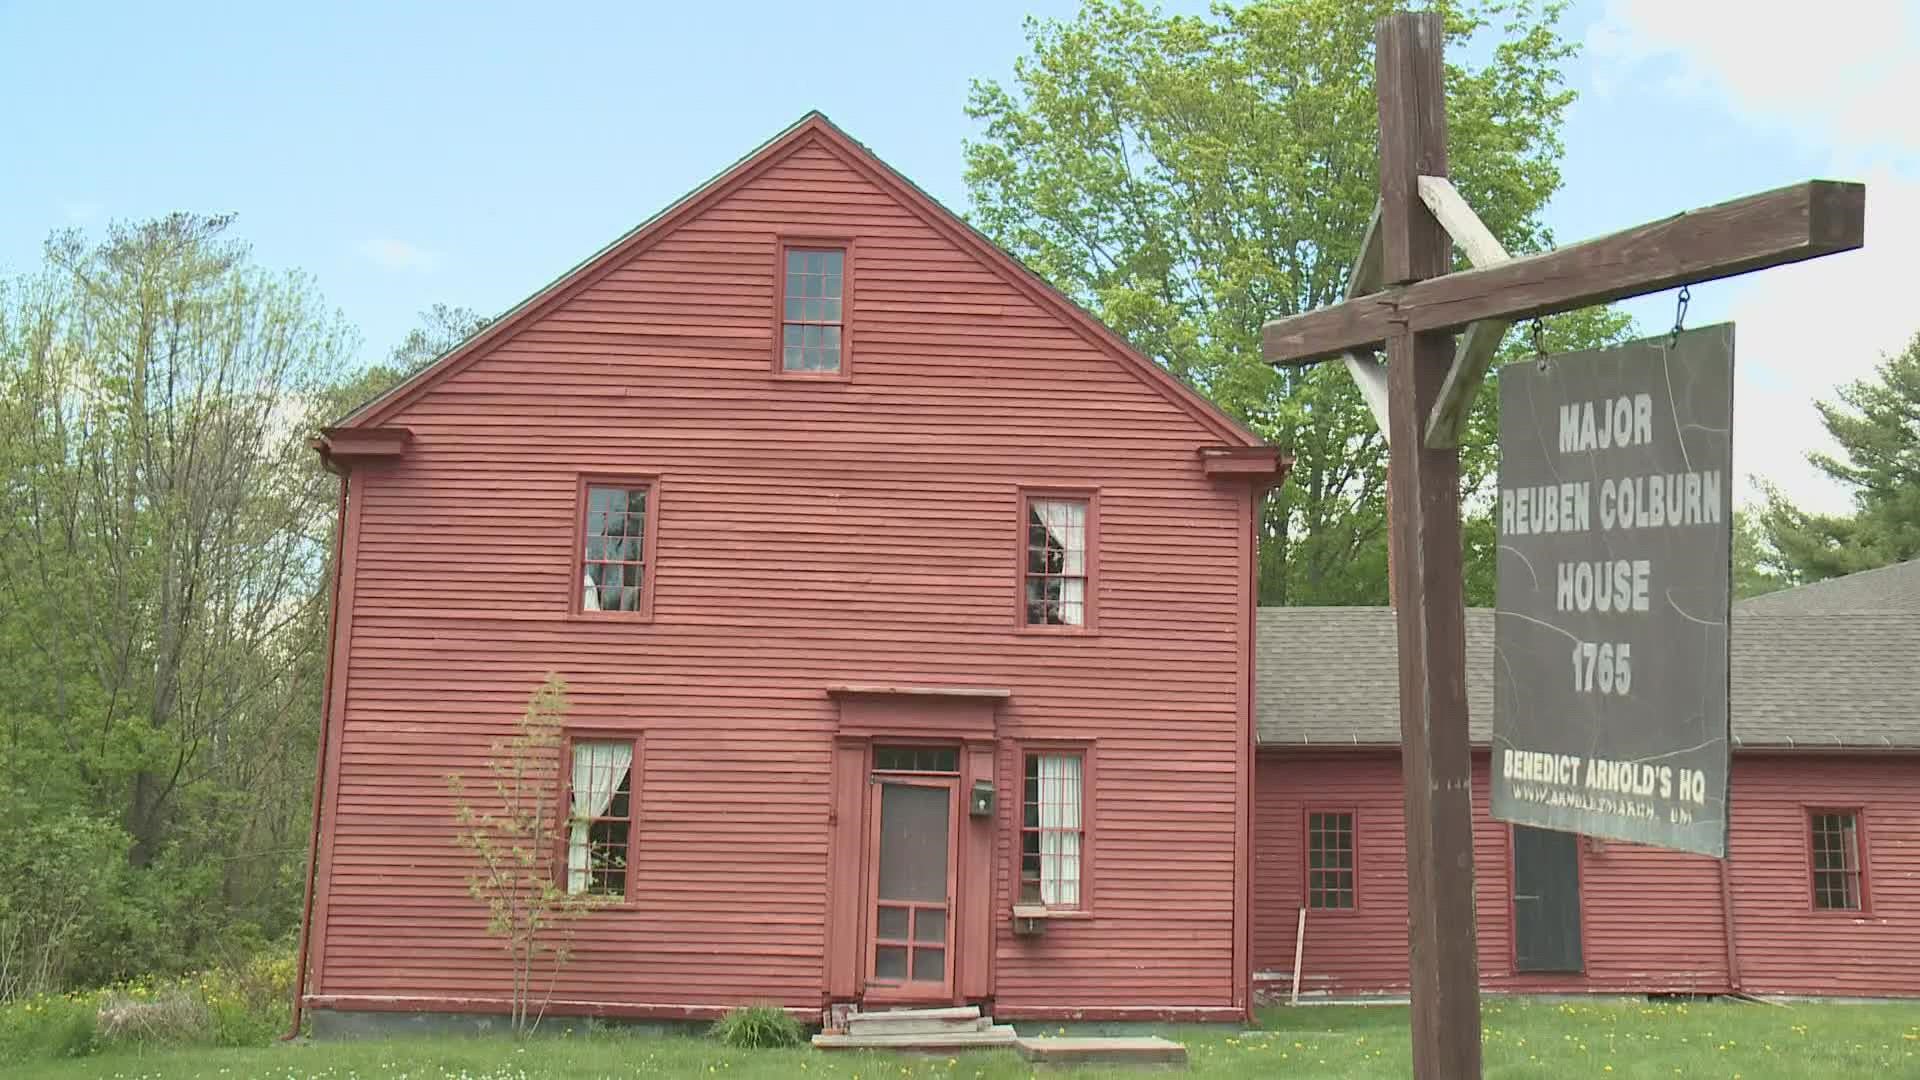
1368,373
1473,354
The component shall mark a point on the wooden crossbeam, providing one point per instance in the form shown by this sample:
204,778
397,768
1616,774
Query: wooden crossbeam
1473,353
1802,221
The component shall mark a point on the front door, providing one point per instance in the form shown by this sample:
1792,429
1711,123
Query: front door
909,954
1546,900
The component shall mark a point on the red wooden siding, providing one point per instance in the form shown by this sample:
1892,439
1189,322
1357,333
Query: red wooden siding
1787,947
810,533
1652,920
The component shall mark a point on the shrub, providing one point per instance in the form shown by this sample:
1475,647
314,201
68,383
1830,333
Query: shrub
245,1003
48,1026
171,1016
250,1002
759,1027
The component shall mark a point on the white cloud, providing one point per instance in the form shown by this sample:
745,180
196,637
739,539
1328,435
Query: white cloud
1804,330
398,254
1839,73
80,211
1841,81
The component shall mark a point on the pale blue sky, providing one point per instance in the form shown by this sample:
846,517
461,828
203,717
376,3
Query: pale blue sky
413,153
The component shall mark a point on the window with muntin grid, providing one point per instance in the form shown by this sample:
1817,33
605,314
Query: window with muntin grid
813,310
1054,562
614,555
1330,867
1838,883
600,811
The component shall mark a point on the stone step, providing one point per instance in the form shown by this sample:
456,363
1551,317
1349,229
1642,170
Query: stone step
1147,1050
883,1024
996,1036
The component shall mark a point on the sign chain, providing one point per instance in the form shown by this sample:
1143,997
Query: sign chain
1679,316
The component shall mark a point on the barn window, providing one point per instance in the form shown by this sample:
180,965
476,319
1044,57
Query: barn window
813,308
1055,563
1052,829
1330,873
1838,881
615,547
600,807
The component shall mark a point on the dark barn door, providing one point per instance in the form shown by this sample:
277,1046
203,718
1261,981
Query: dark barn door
1546,900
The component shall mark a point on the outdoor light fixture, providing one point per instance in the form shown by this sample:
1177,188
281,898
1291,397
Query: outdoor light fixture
981,804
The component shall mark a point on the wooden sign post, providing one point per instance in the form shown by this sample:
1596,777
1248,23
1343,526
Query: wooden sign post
1402,297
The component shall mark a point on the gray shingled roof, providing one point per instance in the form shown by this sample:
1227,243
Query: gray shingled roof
1890,588
1329,676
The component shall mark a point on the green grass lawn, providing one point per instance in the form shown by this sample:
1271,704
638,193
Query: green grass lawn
1523,1040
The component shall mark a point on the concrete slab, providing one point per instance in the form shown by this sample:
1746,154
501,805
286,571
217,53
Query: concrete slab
1138,1050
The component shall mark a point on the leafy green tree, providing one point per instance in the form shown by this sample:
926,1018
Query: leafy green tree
1189,177
442,326
1877,425
162,537
1752,559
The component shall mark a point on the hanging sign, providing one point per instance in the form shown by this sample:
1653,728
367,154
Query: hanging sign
1615,518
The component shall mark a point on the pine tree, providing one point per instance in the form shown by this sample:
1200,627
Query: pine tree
1877,425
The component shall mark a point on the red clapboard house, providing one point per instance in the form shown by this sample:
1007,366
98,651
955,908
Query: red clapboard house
1820,894
905,612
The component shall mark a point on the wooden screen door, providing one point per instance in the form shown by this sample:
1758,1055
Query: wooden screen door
910,872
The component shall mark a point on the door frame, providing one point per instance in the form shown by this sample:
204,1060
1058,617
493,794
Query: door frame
908,991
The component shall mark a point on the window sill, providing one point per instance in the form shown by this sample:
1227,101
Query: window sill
612,905
829,378
1038,911
612,618
1057,631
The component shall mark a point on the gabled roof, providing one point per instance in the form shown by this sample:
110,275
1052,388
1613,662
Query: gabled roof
1889,588
812,129
1330,677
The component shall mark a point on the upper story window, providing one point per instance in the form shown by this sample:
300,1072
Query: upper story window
813,308
616,547
1838,870
1055,564
600,806
1330,868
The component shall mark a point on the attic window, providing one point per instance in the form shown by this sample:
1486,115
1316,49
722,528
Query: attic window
813,307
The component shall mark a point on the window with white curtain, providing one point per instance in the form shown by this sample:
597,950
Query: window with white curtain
1052,833
1055,565
600,816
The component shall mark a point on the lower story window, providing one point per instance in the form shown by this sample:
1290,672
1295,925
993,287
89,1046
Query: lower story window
1330,860
1052,838
600,817
1837,884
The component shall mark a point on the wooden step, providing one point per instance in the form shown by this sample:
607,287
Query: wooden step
997,1035
951,1012
883,1024
1147,1050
